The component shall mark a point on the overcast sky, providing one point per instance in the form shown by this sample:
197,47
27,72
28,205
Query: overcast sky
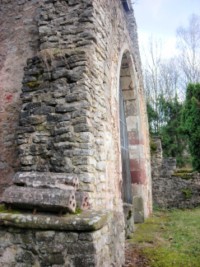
161,18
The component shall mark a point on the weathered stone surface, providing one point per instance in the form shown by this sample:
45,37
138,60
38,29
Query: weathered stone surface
85,221
46,180
129,219
170,188
40,198
18,41
69,118
27,240
82,200
70,97
138,205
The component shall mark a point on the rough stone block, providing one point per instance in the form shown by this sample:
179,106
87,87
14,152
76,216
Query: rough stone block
82,200
129,219
54,200
138,209
46,180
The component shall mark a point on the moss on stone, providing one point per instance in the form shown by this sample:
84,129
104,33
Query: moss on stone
187,192
4,209
153,146
183,175
185,170
33,84
78,211
41,128
86,221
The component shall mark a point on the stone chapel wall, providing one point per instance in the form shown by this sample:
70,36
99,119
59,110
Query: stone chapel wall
19,41
62,63
69,117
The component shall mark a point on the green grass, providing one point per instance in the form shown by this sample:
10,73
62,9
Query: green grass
170,238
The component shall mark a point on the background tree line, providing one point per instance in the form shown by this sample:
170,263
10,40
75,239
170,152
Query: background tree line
173,95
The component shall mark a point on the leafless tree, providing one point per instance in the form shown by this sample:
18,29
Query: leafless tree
161,78
152,69
188,43
169,78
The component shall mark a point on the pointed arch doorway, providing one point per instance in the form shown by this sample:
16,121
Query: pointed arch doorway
125,93
131,141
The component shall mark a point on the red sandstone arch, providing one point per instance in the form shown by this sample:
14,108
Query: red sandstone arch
129,85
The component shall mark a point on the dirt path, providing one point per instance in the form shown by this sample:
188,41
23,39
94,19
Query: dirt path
134,257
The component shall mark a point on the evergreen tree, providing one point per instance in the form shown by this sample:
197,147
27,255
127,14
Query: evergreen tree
166,123
173,139
153,118
191,122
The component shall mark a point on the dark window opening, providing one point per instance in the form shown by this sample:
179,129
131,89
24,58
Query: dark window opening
126,5
126,175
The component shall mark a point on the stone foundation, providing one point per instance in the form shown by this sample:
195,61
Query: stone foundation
88,239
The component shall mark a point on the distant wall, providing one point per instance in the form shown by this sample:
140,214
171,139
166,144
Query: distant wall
172,188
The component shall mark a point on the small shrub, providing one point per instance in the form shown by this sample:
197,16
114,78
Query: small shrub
187,192
153,146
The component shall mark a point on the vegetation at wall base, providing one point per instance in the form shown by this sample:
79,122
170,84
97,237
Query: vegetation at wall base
170,238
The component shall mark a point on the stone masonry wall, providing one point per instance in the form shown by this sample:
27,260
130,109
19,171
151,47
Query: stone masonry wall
19,40
69,119
76,248
139,144
69,93
172,189
116,38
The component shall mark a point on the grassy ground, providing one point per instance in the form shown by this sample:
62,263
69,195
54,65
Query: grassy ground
169,239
